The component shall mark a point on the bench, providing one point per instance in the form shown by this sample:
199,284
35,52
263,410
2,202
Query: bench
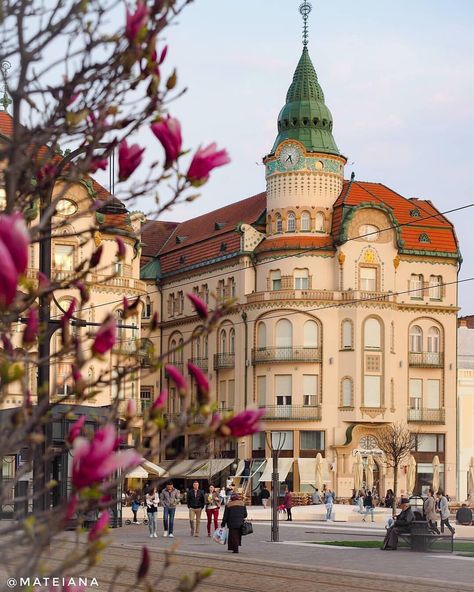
421,538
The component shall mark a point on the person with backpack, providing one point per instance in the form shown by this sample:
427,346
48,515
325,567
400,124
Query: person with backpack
135,508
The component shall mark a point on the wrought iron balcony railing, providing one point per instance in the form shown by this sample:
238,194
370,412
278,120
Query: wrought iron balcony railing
224,361
425,415
202,363
293,412
262,355
426,359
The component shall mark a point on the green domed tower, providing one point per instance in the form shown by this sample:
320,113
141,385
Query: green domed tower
304,170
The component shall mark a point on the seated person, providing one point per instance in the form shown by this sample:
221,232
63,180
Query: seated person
402,523
464,515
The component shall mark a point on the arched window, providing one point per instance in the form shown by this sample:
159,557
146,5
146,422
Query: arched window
180,350
305,222
346,392
433,339
261,335
284,333
310,334
223,342
146,312
119,321
416,285
173,351
278,223
347,334
372,334
232,341
197,345
319,222
204,347
416,339
291,222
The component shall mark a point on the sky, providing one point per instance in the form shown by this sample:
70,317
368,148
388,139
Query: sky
397,76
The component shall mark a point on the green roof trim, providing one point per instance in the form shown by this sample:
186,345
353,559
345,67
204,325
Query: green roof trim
305,116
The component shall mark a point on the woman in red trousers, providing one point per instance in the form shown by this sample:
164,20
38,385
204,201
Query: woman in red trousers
212,508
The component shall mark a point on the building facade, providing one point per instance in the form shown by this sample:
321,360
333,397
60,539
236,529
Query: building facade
465,404
346,309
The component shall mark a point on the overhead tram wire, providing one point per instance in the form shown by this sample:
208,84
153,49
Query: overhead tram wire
305,252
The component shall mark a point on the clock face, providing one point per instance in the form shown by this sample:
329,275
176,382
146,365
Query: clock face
368,443
289,156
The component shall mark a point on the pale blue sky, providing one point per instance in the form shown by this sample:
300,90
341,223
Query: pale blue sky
397,76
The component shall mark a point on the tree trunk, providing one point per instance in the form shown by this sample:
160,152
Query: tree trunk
395,485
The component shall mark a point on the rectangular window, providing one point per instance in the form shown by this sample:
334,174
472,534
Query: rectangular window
118,268
282,440
433,398
372,391
427,443
145,398
275,280
301,279
416,286
64,381
368,279
436,287
64,257
312,440
231,393
222,393
261,391
347,335
416,393
283,389
283,400
258,441
310,389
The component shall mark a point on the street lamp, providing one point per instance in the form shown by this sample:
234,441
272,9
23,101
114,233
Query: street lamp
275,527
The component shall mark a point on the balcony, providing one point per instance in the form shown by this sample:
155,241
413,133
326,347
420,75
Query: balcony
425,415
222,361
179,365
202,363
125,347
293,412
321,295
263,355
426,359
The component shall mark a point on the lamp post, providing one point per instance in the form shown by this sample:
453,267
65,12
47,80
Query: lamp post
275,527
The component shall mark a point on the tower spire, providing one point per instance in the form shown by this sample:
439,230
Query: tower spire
305,9
5,100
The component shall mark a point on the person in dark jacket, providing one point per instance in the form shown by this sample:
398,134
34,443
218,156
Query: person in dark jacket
264,496
402,524
196,501
288,503
234,516
368,506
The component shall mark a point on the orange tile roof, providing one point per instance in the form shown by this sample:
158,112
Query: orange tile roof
154,235
6,124
321,243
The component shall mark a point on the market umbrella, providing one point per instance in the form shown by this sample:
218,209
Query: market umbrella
470,480
369,473
358,469
319,472
435,473
411,475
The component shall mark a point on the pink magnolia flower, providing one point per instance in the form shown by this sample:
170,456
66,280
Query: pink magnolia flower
100,526
199,306
14,234
83,291
168,132
121,249
144,564
98,163
95,460
75,429
96,256
136,21
105,337
177,378
71,507
43,282
67,316
245,423
129,159
160,401
32,327
204,161
202,383
131,410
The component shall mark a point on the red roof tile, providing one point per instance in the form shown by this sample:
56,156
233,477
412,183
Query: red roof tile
296,242
6,124
154,235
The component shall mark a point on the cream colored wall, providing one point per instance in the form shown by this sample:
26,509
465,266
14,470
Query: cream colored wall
466,433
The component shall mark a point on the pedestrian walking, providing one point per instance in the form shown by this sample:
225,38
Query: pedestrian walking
288,503
135,508
264,496
328,501
195,501
234,516
429,507
212,508
388,500
152,500
222,496
368,506
359,501
169,498
444,511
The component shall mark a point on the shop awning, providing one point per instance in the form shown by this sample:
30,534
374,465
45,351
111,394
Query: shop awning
211,467
181,468
307,469
151,468
240,468
137,473
284,467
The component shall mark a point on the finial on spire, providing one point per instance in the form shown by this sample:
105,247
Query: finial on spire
305,9
5,100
